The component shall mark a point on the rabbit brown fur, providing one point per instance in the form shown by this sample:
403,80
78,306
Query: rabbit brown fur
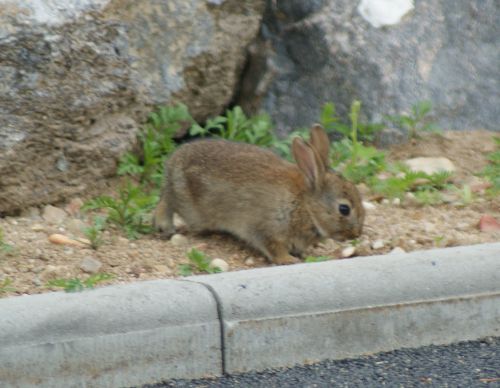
275,206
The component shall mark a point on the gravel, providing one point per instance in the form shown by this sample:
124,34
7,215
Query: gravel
466,364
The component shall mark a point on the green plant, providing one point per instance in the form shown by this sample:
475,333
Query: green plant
130,211
156,143
94,232
356,161
428,197
406,180
5,286
418,120
330,120
77,285
316,259
5,248
237,126
198,262
492,170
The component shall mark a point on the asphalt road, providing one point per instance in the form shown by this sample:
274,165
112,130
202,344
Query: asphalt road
466,364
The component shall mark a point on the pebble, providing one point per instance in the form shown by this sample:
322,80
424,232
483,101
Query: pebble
378,244
179,222
488,223
249,261
74,206
36,281
53,215
163,269
76,227
64,240
90,265
368,205
397,250
396,201
178,240
222,264
38,228
53,272
170,263
348,251
430,165
329,244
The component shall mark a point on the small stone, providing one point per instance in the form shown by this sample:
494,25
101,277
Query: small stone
368,205
488,223
397,250
348,251
64,240
178,240
133,245
179,222
53,215
163,269
396,201
90,265
53,272
378,244
74,206
219,263
36,281
430,165
249,261
329,244
38,228
31,213
170,263
76,227
385,201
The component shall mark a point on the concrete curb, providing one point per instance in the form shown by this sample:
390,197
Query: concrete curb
250,320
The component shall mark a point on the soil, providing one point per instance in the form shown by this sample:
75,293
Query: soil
33,259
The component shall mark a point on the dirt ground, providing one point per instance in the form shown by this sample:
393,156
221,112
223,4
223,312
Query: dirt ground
33,259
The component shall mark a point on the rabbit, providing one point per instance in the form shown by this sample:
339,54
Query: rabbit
275,206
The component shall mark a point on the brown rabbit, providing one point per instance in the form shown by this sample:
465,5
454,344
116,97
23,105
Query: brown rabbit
275,206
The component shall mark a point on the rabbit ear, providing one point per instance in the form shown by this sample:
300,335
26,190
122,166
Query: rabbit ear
320,142
309,162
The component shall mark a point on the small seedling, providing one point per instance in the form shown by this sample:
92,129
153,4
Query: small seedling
94,232
199,261
356,161
237,126
77,285
5,286
155,143
129,211
492,170
417,121
428,197
316,259
5,249
411,181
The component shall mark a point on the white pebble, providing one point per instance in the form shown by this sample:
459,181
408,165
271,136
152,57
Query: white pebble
249,261
178,240
348,251
378,244
219,263
368,205
396,201
397,250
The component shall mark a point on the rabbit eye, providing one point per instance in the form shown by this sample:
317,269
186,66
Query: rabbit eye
344,209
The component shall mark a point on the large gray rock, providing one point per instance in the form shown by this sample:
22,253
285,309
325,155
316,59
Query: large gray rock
75,78
446,51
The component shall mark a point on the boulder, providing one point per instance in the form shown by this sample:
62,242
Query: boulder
390,54
76,79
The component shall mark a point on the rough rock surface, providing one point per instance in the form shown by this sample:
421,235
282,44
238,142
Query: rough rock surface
446,51
76,78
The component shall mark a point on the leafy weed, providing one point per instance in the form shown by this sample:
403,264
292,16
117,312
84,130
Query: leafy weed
199,262
77,285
